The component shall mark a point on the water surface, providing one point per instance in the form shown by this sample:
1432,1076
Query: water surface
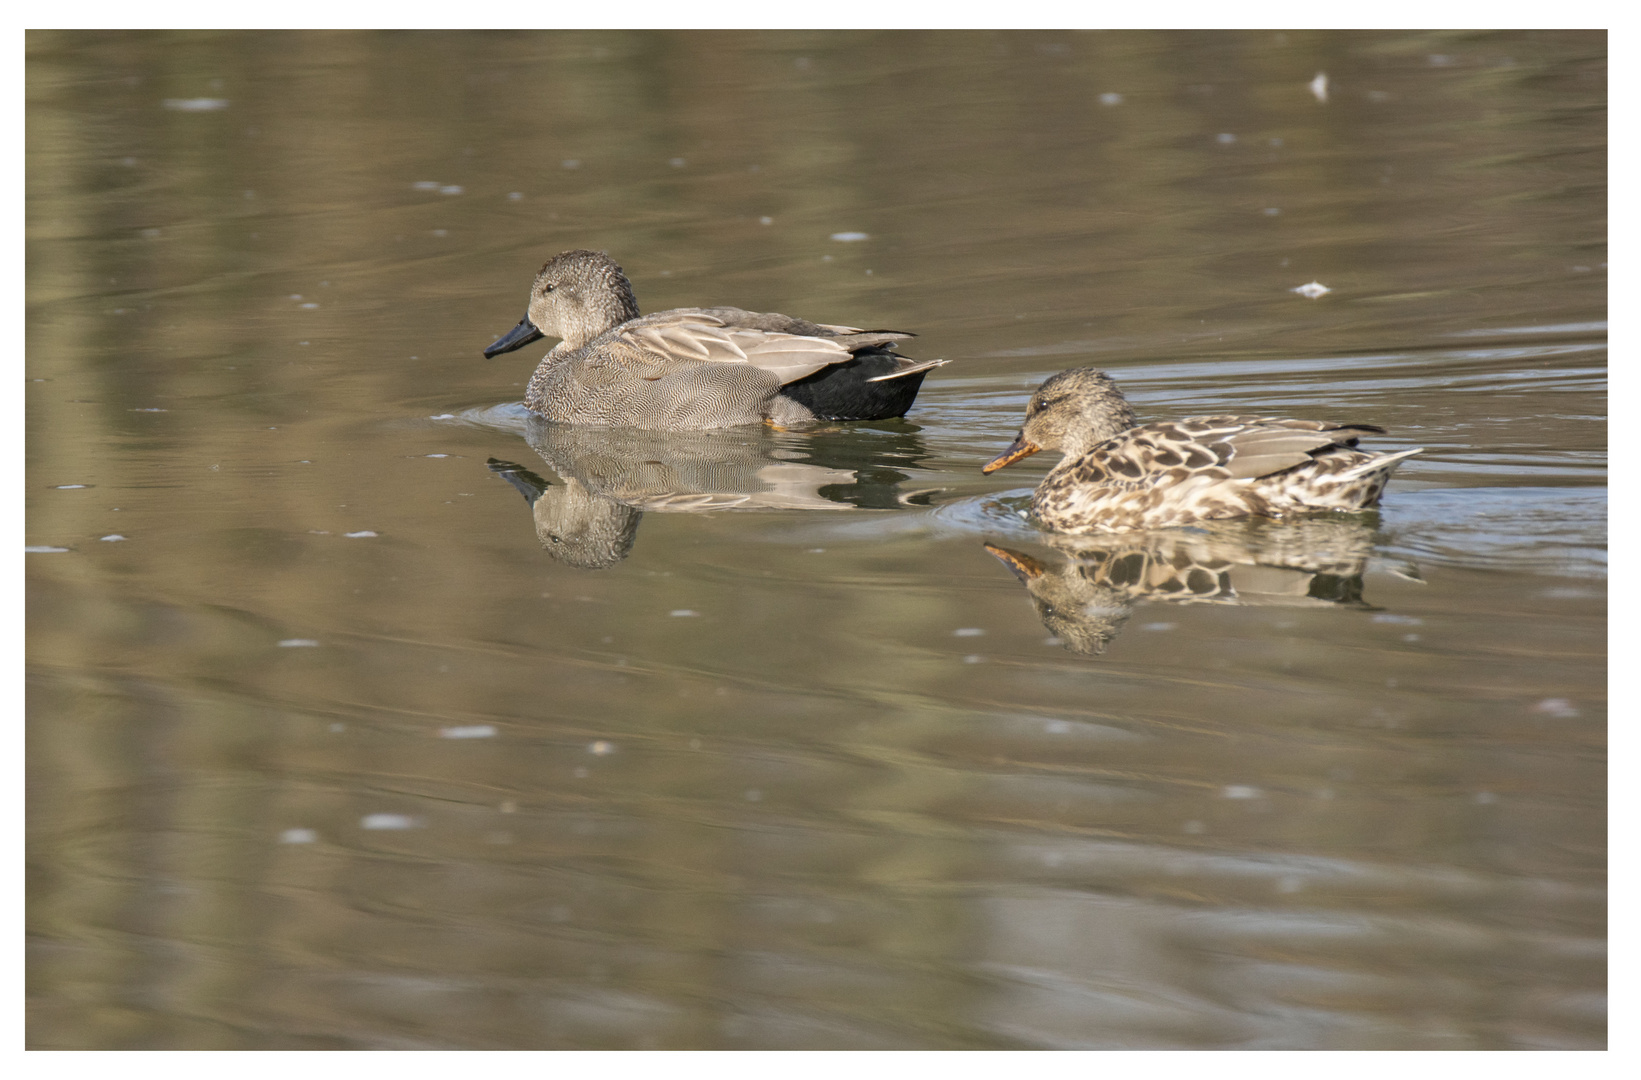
364,713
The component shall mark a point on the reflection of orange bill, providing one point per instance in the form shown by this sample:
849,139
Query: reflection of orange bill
1019,448
1024,566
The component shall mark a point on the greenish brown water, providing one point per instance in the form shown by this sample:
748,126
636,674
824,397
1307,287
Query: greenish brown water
802,763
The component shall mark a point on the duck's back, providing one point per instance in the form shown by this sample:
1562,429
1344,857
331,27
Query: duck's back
1209,467
695,368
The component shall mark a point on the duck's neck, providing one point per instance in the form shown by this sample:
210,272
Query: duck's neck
604,314
1109,419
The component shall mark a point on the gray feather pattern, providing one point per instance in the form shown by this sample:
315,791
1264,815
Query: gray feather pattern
689,368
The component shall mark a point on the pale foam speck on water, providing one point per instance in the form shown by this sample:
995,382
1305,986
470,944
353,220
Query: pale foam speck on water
389,822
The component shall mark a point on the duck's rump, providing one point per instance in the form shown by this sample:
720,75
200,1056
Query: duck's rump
874,384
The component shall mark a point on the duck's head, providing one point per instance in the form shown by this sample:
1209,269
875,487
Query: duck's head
1071,412
577,296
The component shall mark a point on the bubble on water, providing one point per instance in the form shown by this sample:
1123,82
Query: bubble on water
969,631
570,163
684,613
601,748
677,162
198,104
310,305
436,455
515,195
70,487
111,538
1225,138
1311,290
426,185
299,643
1158,627
451,189
766,221
1239,791
44,549
298,836
1110,99
1319,87
1560,708
360,535
850,237
1398,620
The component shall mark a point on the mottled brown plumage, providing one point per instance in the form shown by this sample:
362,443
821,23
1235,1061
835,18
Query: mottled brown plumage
1116,476
696,368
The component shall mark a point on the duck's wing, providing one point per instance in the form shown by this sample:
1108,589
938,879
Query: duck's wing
853,338
1244,447
697,336
678,335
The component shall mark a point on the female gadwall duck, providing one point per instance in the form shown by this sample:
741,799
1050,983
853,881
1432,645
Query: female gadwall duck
1116,476
693,368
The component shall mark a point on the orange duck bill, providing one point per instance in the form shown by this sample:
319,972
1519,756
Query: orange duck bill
1025,567
1019,448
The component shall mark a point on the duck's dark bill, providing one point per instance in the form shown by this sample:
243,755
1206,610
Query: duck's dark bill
519,336
1018,449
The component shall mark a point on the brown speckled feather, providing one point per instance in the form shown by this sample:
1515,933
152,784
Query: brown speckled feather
1116,476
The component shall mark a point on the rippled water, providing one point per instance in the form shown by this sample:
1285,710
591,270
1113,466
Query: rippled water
364,712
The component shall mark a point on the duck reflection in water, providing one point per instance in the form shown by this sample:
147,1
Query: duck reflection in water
1089,588
610,477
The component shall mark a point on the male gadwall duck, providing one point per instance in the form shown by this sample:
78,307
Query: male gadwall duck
694,368
1116,476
